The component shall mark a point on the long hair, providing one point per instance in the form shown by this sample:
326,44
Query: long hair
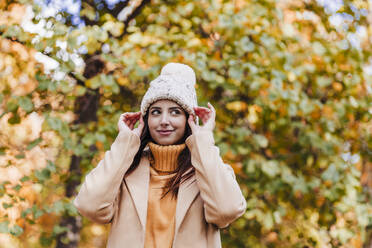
183,161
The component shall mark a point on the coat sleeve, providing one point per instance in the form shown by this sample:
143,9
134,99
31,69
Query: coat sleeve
223,199
97,194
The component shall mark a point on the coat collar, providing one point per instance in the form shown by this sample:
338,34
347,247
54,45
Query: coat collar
187,192
138,185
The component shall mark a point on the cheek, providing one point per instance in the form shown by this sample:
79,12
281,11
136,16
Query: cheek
181,124
151,124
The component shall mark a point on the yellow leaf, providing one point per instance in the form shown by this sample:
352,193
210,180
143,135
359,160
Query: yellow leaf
337,86
237,167
122,81
237,106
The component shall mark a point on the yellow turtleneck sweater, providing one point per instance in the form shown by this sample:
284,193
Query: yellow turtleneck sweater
161,212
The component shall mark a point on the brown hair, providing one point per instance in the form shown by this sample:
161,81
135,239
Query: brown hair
184,159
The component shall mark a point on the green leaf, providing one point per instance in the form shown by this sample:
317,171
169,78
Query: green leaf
34,143
57,229
64,131
71,209
15,119
26,104
45,240
89,139
12,31
2,190
55,123
271,168
12,105
7,205
323,81
16,230
100,137
51,166
20,156
261,140
25,178
17,187
331,173
25,212
42,175
80,90
58,207
79,150
36,211
109,83
94,83
4,227
319,49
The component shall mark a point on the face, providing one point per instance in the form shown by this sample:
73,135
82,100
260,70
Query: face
167,122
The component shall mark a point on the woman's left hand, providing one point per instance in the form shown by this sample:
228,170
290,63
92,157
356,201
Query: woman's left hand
207,116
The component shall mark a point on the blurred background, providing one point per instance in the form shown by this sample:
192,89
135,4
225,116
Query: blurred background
291,81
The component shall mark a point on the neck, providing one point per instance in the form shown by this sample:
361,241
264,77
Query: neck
165,157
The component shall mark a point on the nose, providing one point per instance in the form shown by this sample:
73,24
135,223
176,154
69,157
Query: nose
164,121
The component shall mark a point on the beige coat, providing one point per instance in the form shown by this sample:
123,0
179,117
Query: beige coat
210,200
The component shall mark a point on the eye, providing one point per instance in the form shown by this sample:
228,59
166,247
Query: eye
175,112
155,112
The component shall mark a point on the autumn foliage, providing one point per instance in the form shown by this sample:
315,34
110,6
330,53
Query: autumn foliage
291,82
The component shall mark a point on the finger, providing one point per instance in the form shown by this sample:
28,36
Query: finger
126,118
136,114
132,117
191,122
132,113
141,123
210,106
200,115
213,110
122,117
129,121
126,121
202,111
205,118
204,115
133,123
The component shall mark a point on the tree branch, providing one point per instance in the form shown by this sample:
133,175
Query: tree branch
133,15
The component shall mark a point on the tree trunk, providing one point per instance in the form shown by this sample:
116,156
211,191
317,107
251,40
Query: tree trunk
86,111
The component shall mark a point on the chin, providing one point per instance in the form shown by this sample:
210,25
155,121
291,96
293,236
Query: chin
166,142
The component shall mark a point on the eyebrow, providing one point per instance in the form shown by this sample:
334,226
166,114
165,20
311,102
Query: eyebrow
156,107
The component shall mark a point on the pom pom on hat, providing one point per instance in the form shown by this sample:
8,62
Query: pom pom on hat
180,70
176,82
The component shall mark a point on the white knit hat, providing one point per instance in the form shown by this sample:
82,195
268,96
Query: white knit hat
176,82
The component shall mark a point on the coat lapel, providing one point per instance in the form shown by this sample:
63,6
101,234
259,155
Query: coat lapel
138,185
186,194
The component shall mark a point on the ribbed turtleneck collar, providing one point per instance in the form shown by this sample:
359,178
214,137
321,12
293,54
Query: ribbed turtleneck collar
165,157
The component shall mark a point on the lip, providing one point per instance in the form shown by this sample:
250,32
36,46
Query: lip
165,132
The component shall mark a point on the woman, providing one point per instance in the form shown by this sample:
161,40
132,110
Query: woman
163,184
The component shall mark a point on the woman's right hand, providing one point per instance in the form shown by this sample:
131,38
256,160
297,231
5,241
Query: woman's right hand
128,120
